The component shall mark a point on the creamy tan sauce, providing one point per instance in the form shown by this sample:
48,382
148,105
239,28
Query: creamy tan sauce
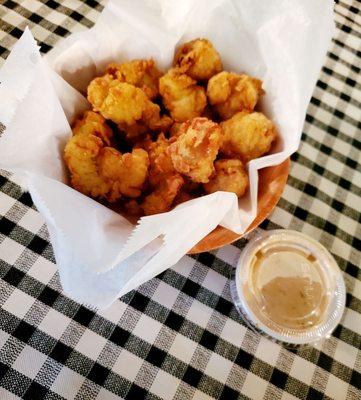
285,289
293,302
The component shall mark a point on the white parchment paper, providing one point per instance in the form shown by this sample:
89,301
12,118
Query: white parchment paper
99,254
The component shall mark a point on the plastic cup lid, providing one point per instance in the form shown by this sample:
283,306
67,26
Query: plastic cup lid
289,286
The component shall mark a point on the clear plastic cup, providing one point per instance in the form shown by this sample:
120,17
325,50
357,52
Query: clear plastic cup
288,287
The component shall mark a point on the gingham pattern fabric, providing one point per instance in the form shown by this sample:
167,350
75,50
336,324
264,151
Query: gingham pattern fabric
179,336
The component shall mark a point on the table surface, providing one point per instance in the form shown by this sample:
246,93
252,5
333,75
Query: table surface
178,336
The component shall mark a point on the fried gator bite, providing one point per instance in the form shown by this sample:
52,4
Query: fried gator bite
85,153
182,97
230,176
126,172
141,73
126,105
198,59
160,160
247,136
93,123
195,150
230,93
163,178
161,199
90,135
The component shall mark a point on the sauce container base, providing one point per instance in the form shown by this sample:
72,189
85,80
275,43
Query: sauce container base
288,287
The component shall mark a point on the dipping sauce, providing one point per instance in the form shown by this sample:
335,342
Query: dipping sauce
289,286
294,302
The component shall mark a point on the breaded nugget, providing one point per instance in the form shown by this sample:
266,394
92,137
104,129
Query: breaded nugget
118,101
126,172
90,135
81,154
161,199
230,176
141,73
247,136
163,178
101,171
160,161
230,93
92,123
125,104
195,150
198,59
182,97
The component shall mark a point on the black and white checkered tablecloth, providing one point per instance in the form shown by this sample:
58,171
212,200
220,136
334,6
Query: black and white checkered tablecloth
178,336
